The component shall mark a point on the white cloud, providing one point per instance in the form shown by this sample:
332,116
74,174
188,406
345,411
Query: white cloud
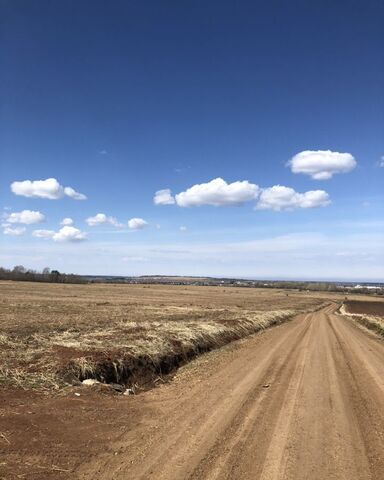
65,234
183,228
69,234
15,231
322,164
279,198
49,188
137,223
218,193
101,218
163,197
381,161
27,217
43,233
70,192
66,221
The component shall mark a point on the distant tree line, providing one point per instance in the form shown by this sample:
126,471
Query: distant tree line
20,273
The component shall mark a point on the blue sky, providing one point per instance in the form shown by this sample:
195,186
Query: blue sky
121,99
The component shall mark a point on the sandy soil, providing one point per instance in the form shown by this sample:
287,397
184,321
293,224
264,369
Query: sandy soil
304,400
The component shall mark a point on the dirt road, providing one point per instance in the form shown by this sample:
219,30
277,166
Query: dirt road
302,401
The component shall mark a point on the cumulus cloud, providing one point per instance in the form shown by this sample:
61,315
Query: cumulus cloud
163,197
49,188
43,233
26,217
101,218
321,164
218,193
183,228
66,221
15,231
279,198
69,234
137,223
65,234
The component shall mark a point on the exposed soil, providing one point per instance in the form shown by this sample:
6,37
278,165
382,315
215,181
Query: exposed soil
304,400
365,307
45,437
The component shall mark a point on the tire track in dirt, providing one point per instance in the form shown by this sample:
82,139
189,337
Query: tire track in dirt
250,417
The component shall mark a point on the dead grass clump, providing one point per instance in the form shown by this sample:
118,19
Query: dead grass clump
165,348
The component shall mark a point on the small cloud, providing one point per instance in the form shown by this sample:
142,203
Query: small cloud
218,193
43,233
69,234
14,231
101,218
280,198
70,192
381,162
163,197
65,234
66,221
366,204
321,164
103,152
137,223
183,228
27,217
158,226
49,189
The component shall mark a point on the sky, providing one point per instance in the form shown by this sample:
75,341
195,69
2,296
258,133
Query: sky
222,138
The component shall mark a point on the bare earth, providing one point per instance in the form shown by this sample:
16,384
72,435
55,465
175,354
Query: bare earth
304,400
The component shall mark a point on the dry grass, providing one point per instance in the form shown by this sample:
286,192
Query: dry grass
50,334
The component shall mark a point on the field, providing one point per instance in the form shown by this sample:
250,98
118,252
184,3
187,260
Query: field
365,307
54,335
54,427
368,313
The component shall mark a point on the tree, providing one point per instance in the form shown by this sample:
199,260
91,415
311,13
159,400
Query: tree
55,275
19,269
